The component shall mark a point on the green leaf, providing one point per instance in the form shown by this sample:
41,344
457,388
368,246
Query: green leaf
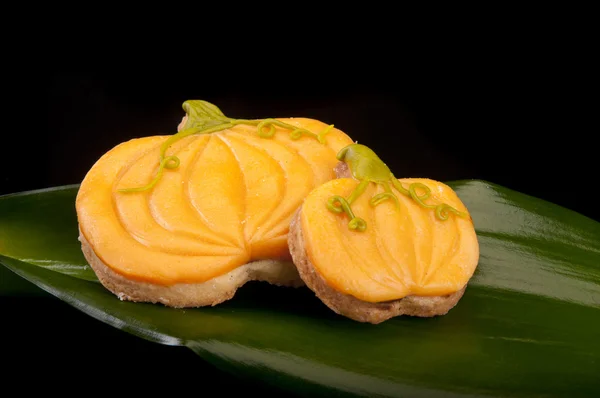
527,326
40,228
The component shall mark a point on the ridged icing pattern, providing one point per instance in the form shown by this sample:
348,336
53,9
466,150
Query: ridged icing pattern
229,202
406,250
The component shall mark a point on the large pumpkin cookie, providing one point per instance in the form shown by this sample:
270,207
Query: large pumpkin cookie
187,219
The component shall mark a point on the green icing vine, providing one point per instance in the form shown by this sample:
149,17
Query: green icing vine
206,118
368,168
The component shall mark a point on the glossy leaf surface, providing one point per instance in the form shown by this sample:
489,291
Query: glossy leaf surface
528,325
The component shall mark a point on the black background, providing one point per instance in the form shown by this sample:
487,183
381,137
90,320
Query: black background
524,128
516,121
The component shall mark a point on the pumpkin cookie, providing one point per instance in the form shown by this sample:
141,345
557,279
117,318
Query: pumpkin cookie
373,247
185,220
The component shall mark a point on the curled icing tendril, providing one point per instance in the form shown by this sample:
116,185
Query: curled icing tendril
442,210
412,190
206,118
295,134
355,223
383,196
169,162
367,168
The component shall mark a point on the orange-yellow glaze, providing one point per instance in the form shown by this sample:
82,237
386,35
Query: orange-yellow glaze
404,250
228,203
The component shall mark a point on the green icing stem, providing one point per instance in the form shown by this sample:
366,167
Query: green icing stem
206,118
368,168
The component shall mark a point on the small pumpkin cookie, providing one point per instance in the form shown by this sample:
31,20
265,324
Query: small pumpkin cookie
373,247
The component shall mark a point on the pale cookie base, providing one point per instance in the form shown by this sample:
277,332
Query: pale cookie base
353,308
342,170
183,295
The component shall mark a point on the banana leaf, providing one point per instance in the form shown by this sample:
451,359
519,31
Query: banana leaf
528,325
